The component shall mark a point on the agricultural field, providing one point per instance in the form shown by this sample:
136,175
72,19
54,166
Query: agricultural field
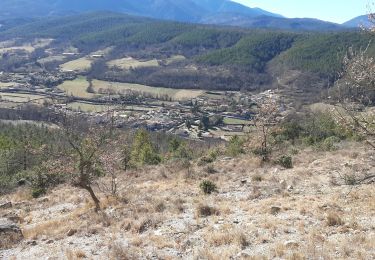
22,98
8,46
87,107
27,48
175,94
7,84
77,88
80,65
98,108
235,121
128,62
7,104
175,58
56,58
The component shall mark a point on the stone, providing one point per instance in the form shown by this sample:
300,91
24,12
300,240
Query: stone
6,205
71,232
10,234
290,188
291,244
32,243
44,199
243,255
13,217
243,181
275,210
22,182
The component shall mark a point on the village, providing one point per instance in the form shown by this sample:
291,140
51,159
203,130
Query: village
193,114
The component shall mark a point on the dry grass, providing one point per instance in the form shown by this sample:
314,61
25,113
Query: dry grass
118,251
81,64
76,88
168,217
176,94
227,236
333,219
127,63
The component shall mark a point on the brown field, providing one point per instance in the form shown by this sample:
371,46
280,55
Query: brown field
80,64
175,94
127,63
76,88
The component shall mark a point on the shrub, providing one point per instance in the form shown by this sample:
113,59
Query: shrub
257,178
183,152
350,179
329,144
210,169
292,130
38,191
143,151
213,153
210,157
205,210
205,160
285,161
260,151
208,187
174,144
235,146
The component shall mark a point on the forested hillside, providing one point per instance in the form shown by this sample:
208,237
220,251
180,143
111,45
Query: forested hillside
243,54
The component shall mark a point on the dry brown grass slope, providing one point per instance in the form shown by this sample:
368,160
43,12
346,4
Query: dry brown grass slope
259,212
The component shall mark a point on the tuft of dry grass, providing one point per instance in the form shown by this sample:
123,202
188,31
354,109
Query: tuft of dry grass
206,211
118,251
145,223
333,219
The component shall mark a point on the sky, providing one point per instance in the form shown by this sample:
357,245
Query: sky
338,11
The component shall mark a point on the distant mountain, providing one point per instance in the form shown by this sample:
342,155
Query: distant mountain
221,12
358,21
269,22
179,10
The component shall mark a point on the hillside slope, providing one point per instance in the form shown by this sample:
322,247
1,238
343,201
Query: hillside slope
258,212
226,58
358,22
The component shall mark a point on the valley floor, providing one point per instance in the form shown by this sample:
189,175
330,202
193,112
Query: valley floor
259,212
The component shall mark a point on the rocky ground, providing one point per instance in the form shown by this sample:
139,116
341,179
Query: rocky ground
258,212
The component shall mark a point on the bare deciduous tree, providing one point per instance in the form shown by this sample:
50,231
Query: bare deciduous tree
266,118
356,86
86,141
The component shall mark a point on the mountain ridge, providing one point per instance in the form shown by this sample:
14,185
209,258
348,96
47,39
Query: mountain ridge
220,12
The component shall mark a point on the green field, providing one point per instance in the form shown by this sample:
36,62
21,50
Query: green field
127,63
235,121
76,88
175,94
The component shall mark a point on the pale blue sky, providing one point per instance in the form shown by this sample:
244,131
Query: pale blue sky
338,11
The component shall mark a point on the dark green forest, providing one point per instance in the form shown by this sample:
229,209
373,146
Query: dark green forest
242,53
